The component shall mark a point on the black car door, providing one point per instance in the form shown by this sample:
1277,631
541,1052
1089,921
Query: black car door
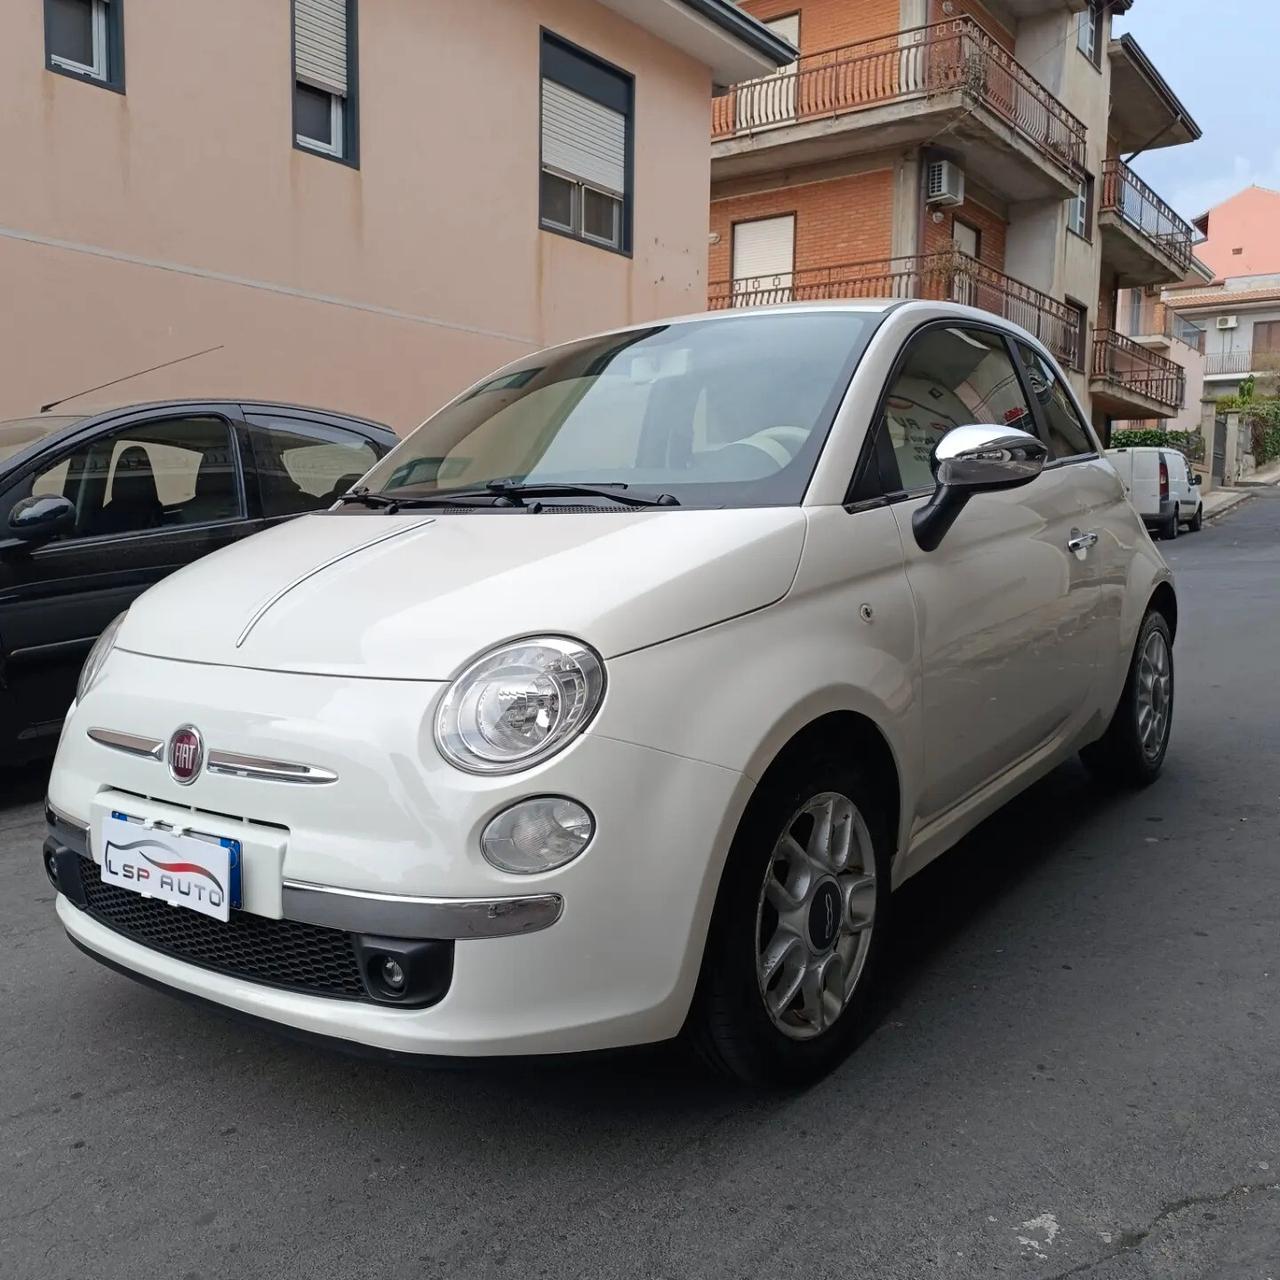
152,493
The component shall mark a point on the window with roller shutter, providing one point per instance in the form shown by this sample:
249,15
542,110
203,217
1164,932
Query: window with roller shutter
324,71
586,147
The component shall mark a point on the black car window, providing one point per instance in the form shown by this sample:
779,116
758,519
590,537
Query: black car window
949,376
1068,436
153,475
304,466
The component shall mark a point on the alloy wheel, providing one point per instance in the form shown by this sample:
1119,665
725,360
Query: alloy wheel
1155,694
815,916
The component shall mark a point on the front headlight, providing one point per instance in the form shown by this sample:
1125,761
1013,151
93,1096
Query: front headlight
519,704
97,658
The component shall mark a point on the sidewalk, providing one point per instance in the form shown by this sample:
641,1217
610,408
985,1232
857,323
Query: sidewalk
1220,501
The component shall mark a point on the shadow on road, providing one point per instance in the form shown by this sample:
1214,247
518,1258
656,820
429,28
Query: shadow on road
656,1087
23,785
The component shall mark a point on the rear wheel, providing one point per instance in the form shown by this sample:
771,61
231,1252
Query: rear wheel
798,931
1169,529
1133,749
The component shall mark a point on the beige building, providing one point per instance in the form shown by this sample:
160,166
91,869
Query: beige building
967,149
362,204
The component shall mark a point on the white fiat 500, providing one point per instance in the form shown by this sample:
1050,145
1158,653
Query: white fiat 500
616,700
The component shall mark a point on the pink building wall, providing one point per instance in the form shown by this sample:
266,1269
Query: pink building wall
138,227
1249,222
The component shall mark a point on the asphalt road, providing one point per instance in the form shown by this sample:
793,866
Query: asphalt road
1077,1073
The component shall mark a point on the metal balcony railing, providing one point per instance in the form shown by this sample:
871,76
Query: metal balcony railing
1241,362
953,276
1152,319
1125,194
1129,365
917,63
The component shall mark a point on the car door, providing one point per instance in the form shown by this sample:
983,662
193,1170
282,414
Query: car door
305,464
152,493
1004,604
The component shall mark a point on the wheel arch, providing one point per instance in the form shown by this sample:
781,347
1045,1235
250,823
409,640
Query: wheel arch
844,731
1164,600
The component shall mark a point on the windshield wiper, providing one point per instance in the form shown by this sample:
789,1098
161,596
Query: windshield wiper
515,493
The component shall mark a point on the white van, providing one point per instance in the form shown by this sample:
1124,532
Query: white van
1162,487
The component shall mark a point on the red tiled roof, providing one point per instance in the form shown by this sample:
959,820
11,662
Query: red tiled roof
1222,298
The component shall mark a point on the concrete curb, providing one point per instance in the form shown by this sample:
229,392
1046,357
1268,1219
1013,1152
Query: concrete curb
1229,504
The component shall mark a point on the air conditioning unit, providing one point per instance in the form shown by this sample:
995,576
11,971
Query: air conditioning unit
1228,322
943,183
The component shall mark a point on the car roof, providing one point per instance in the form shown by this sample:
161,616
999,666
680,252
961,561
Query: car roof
84,424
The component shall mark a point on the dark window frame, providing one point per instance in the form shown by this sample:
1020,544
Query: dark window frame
114,78
49,459
259,426
584,72
350,104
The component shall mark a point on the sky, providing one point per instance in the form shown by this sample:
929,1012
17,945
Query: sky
1220,58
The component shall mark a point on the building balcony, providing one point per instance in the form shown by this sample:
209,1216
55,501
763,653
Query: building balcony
1142,238
1127,380
1240,364
950,82
952,276
1155,325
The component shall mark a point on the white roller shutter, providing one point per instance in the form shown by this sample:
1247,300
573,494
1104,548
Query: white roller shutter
789,29
320,43
584,139
764,251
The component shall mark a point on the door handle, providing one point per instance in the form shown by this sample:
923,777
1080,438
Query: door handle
1081,541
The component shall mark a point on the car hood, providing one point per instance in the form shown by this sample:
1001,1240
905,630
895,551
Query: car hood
416,595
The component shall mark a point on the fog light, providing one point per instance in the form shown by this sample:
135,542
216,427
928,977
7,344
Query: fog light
537,835
392,974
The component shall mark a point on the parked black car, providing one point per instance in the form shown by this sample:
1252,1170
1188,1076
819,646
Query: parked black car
93,510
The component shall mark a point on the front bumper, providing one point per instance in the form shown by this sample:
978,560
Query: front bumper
599,954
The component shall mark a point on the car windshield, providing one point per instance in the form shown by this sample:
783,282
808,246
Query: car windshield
726,412
18,433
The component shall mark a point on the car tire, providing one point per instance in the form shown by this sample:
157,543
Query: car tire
1197,521
1169,530
1132,751
741,1023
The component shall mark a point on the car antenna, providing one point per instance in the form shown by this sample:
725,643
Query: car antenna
53,404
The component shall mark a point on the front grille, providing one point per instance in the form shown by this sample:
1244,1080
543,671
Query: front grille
280,953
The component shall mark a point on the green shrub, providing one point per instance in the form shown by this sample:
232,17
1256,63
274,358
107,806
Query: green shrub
1263,417
1188,443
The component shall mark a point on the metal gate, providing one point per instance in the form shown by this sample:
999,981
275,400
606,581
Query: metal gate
1219,448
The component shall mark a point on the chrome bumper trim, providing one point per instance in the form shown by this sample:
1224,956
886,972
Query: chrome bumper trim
402,917
241,766
131,743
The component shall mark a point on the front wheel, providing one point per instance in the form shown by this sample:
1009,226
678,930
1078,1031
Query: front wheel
1197,520
798,930
1133,749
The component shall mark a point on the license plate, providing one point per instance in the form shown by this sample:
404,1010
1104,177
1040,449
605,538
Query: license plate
193,870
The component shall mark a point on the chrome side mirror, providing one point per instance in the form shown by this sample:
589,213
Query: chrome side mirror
969,460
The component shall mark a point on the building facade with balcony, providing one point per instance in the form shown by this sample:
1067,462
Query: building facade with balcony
1241,323
957,149
355,204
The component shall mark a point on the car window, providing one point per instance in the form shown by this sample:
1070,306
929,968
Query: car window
154,475
949,377
731,411
1068,437
305,466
